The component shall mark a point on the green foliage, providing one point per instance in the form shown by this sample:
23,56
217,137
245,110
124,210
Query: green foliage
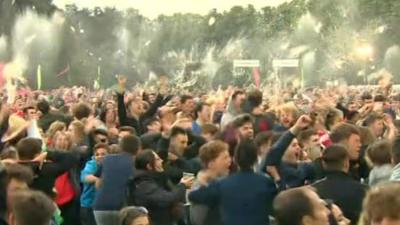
127,41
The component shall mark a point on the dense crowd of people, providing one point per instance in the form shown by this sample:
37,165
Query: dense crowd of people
315,156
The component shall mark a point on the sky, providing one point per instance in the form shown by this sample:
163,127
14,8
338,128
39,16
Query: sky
153,8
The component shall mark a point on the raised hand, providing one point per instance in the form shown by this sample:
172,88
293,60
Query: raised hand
302,123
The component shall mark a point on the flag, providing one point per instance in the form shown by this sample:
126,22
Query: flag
256,77
39,77
64,71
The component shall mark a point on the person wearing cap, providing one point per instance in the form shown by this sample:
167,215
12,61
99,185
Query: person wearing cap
338,186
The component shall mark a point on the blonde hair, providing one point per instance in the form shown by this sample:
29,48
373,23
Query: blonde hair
382,201
54,128
63,134
78,129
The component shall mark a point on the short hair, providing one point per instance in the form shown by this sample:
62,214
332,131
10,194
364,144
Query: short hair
209,128
379,98
129,214
28,108
366,96
175,131
184,98
343,132
31,207
334,157
371,118
43,106
81,110
145,158
236,93
130,144
150,121
101,145
291,206
382,201
28,148
114,149
242,120
99,131
19,172
396,151
246,155
199,107
129,129
306,134
211,150
262,138
380,152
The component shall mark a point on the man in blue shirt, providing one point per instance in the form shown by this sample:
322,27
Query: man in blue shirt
89,180
244,197
116,171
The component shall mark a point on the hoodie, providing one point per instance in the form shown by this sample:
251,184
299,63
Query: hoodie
153,193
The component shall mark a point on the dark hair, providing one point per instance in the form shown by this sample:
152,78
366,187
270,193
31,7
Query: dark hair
26,109
19,172
236,93
31,207
263,138
350,115
175,131
242,120
211,150
396,151
43,106
130,144
379,98
129,129
246,155
331,116
99,131
343,132
128,214
184,98
81,110
366,96
334,157
291,206
144,158
101,145
3,191
150,121
199,107
28,148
